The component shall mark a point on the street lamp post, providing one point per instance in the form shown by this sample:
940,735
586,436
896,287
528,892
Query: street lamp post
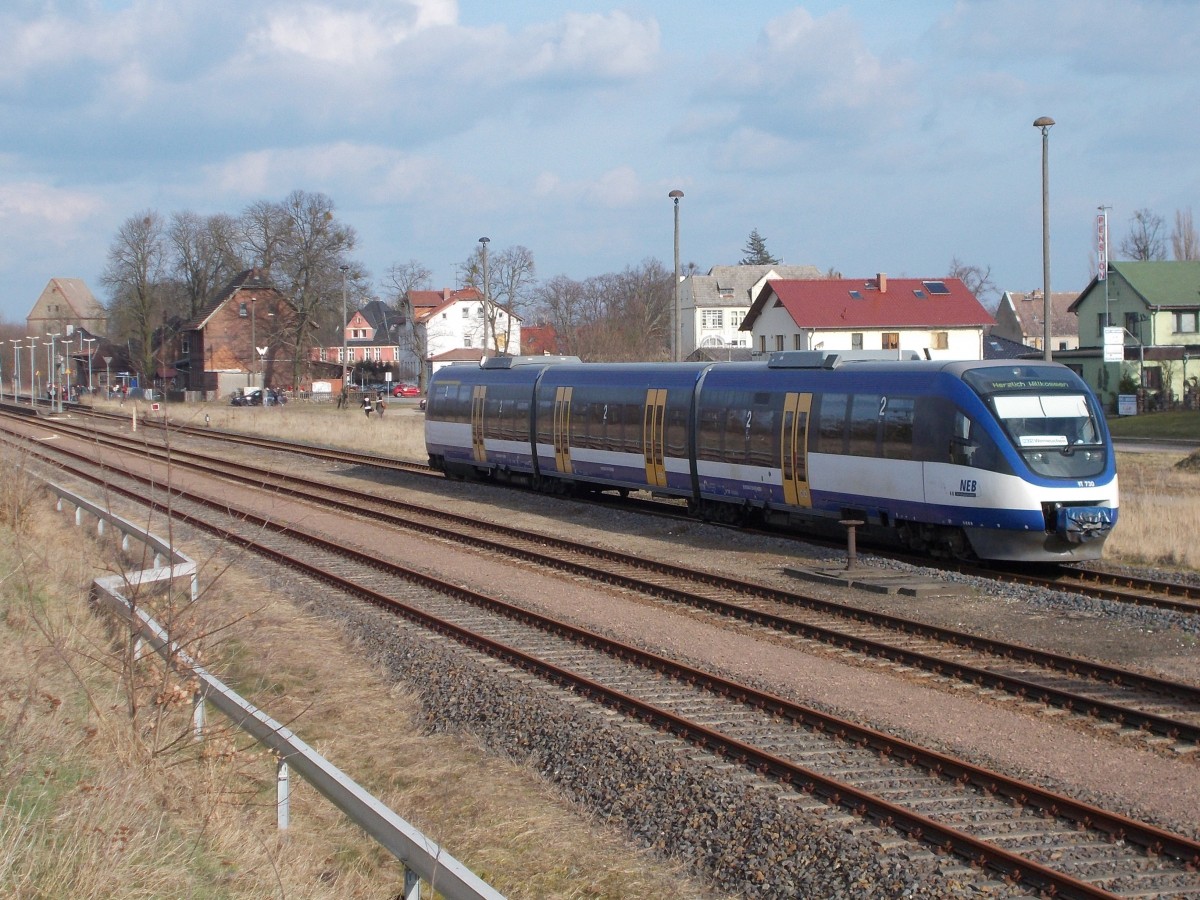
50,370
483,243
345,325
32,371
107,377
89,342
16,368
676,323
1044,123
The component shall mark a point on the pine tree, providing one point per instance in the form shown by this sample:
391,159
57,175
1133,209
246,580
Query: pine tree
756,251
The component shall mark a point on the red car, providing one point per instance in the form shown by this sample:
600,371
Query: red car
404,389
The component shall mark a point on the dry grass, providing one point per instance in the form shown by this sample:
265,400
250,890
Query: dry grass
103,795
1160,512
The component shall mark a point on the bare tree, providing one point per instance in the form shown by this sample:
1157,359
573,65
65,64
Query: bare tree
203,258
401,280
134,276
561,301
978,280
262,232
511,280
306,257
1184,241
1145,240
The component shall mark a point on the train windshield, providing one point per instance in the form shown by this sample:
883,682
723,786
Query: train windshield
1048,416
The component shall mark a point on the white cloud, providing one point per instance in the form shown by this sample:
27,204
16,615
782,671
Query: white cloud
611,45
813,76
32,204
349,37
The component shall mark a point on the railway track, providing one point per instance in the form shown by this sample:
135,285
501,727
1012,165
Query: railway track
1089,581
1163,713
1045,841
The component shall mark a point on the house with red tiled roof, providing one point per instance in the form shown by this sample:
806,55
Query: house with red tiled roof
456,325
938,317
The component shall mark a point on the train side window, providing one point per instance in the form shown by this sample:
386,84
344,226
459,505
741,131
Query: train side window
898,428
831,427
864,425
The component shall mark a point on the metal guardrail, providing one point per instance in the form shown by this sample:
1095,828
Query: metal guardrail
421,857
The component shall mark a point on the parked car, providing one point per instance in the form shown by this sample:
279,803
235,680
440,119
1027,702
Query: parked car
247,398
406,389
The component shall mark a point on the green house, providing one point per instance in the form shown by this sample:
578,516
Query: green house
1157,307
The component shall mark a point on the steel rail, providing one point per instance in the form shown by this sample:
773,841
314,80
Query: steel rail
1019,687
1154,840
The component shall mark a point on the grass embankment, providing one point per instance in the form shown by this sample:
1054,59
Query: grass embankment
104,794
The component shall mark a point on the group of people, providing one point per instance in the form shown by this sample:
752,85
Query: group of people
378,404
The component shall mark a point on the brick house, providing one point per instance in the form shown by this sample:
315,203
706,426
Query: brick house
376,335
939,317
241,339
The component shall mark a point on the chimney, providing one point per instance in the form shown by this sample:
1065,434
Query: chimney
445,294
881,280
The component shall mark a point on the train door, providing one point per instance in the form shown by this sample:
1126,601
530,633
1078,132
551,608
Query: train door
794,449
562,429
654,436
478,395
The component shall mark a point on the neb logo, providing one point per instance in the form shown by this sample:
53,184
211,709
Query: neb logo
966,486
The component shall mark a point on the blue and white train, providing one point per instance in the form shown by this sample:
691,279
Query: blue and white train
995,460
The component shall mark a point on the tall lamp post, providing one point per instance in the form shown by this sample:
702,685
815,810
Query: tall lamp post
487,312
50,369
1044,123
32,371
345,325
89,342
107,376
16,368
676,324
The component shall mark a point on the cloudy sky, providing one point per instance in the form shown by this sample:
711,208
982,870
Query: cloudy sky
861,136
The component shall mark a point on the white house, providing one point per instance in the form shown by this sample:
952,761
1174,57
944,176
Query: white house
453,326
712,306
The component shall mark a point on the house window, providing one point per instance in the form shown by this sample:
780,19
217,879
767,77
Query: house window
779,342
1185,322
324,357
1103,320
1062,345
940,340
891,340
737,317
762,343
856,340
711,318
466,342
185,347
1152,378
1131,323
466,312
797,343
